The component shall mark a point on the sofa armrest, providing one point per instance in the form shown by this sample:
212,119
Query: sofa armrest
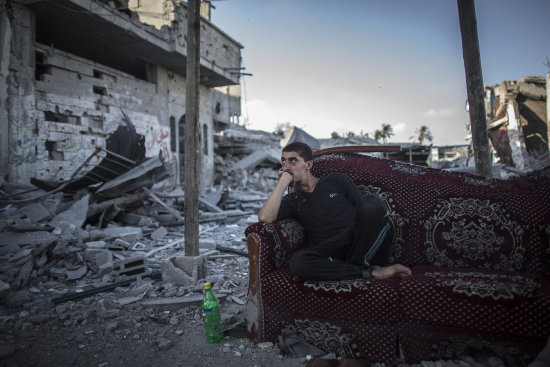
270,245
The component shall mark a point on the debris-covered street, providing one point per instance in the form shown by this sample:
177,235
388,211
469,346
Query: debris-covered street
96,296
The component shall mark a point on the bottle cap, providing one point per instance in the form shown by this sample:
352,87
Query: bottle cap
207,285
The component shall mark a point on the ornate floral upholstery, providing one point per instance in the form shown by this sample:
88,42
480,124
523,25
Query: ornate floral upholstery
480,253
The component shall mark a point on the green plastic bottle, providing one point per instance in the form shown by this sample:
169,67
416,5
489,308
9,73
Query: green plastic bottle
211,315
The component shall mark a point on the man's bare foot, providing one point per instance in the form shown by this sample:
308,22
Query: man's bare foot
395,270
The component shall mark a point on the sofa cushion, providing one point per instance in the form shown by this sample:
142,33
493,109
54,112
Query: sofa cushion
365,301
503,303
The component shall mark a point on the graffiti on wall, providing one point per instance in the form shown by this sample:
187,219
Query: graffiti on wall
158,139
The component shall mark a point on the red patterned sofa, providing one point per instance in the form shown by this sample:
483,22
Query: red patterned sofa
479,250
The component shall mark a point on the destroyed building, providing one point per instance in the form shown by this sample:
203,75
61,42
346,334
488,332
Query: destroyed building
70,69
517,118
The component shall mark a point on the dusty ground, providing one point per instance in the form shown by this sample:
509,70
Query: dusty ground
95,331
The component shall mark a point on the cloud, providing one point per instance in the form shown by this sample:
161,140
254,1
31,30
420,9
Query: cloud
444,112
399,127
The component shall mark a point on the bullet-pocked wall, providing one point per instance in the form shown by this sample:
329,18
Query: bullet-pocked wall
62,102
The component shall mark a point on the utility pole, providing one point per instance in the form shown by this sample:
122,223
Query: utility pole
192,149
474,86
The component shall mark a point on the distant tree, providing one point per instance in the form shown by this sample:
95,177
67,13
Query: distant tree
387,132
280,128
334,135
351,134
377,135
423,133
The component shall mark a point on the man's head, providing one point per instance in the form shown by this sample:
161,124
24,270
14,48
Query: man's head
301,148
297,159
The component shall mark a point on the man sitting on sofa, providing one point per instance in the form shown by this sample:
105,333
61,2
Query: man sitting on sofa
350,231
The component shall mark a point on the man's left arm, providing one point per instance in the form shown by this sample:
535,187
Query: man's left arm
352,191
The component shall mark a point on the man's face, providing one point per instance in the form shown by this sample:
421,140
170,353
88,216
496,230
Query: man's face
295,164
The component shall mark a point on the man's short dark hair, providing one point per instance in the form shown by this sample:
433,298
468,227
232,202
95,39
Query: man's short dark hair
301,148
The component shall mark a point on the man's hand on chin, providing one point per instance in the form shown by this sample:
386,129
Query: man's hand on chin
287,179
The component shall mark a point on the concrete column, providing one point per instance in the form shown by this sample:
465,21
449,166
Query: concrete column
21,97
5,51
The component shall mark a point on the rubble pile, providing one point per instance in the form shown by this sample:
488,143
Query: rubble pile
257,179
78,254
65,264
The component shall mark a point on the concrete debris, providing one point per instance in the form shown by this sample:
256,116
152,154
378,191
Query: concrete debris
73,217
159,234
295,134
517,122
272,156
183,270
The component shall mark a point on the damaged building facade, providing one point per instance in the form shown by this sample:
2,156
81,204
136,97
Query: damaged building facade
70,70
517,121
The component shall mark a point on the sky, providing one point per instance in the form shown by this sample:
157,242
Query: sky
353,65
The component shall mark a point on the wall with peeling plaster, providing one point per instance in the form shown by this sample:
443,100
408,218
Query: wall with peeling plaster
56,107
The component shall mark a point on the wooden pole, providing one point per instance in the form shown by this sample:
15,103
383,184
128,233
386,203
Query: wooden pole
474,86
192,149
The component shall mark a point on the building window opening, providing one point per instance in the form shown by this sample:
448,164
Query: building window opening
40,68
53,153
173,134
100,90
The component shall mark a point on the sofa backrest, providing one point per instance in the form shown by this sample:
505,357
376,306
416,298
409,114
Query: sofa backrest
456,219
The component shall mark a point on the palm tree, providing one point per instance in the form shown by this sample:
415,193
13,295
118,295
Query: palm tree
377,135
423,133
387,132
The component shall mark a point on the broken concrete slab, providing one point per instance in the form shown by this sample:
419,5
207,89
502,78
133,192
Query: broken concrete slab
144,174
128,234
183,270
295,134
104,262
210,206
76,273
96,244
166,206
164,247
89,254
27,238
159,234
119,242
75,215
35,212
253,159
